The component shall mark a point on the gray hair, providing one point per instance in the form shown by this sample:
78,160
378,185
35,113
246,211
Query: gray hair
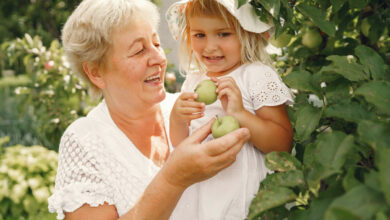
86,35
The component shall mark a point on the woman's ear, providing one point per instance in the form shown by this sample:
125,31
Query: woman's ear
92,71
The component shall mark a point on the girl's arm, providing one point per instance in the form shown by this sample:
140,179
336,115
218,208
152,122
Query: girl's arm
184,110
270,127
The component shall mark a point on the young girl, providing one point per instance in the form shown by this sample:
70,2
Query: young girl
227,44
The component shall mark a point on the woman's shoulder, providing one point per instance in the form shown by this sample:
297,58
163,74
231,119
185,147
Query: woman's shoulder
91,124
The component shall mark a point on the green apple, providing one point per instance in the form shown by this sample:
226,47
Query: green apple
365,27
281,41
312,39
207,92
224,125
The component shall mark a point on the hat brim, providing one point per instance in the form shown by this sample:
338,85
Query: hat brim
245,15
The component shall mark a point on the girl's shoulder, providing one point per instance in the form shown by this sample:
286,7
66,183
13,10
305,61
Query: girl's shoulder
258,69
253,72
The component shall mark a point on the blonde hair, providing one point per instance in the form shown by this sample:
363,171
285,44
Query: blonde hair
86,35
252,44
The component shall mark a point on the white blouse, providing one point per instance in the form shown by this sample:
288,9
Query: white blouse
98,163
228,194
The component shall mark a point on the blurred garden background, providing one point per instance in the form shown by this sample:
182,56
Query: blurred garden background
334,54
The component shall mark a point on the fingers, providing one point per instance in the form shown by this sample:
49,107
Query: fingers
231,142
188,96
201,133
188,109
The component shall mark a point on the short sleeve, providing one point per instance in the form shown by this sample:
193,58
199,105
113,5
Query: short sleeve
265,87
79,177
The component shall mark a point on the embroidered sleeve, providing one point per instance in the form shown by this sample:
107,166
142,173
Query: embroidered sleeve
266,88
79,177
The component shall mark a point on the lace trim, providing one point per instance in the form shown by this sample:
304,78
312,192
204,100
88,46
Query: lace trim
75,195
269,92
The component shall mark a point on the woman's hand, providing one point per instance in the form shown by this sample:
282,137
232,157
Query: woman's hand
193,161
186,108
230,95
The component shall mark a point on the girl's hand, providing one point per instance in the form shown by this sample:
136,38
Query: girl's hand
186,108
230,95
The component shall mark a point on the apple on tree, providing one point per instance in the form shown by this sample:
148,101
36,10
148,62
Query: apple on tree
312,39
207,92
281,41
170,78
224,125
365,27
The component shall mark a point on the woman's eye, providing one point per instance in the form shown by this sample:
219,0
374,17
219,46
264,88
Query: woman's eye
139,51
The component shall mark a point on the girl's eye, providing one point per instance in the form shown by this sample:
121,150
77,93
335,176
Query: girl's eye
199,35
224,34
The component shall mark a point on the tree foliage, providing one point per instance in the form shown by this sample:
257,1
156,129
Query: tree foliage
338,168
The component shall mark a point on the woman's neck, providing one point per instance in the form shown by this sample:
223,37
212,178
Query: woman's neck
146,130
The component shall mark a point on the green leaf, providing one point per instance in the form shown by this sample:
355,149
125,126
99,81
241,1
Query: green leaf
345,67
359,4
370,58
376,134
336,5
316,173
377,93
268,198
371,179
272,6
241,3
301,80
360,202
282,161
383,163
318,16
381,216
340,214
327,156
308,118
349,180
332,149
289,178
337,91
352,112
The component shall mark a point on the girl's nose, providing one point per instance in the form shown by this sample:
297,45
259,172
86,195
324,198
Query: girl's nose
211,44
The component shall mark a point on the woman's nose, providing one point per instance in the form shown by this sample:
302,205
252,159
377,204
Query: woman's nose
158,56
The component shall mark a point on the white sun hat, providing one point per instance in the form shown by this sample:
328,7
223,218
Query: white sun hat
245,15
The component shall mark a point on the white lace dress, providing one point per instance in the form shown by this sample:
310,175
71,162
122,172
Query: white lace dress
228,194
98,163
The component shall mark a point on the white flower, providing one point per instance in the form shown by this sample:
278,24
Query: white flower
315,101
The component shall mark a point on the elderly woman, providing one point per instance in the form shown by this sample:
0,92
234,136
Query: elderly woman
117,162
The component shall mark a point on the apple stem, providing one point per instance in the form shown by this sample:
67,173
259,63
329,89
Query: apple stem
218,119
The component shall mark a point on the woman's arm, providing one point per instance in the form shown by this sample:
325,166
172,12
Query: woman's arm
191,162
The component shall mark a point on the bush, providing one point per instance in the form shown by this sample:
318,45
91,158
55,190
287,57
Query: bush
338,168
27,176
53,96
